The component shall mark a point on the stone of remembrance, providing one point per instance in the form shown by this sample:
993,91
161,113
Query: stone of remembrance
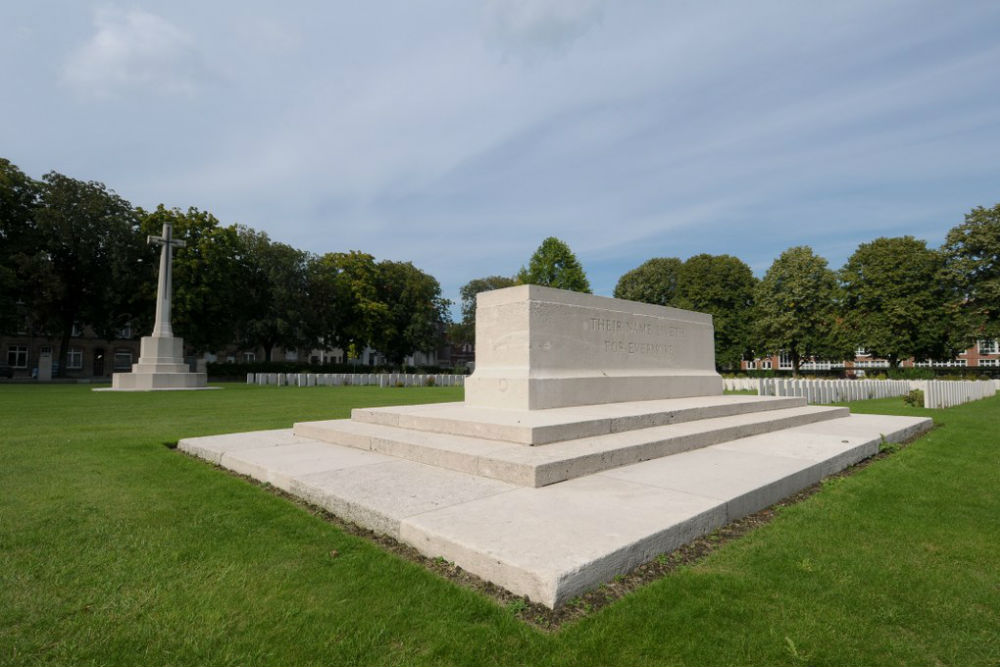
594,435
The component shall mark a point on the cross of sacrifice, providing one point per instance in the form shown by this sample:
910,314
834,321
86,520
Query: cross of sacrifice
168,243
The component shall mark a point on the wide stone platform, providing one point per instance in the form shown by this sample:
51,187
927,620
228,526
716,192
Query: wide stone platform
557,541
580,441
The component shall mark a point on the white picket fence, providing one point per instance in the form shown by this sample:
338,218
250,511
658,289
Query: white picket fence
946,393
355,379
832,391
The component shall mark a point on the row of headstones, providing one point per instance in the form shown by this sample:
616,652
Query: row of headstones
946,393
832,391
740,384
355,379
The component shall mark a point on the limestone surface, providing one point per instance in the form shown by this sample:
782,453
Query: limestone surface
555,542
538,348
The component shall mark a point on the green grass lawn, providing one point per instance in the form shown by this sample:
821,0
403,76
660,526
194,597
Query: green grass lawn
117,550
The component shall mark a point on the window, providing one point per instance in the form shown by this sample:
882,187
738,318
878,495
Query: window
17,356
77,331
765,364
861,352
958,363
123,360
988,347
751,365
784,360
291,355
125,332
230,359
74,359
989,362
249,357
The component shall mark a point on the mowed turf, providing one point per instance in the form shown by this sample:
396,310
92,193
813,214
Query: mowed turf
117,550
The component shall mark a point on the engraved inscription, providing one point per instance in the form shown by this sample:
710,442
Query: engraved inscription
617,336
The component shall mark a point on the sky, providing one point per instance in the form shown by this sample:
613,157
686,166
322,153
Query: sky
458,135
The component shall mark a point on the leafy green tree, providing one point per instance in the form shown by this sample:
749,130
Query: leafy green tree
895,299
89,261
973,260
415,314
207,287
19,196
554,265
465,332
654,281
723,286
274,299
345,291
795,308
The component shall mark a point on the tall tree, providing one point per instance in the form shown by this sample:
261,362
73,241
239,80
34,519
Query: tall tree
90,258
415,313
973,260
274,294
206,276
795,308
653,281
723,286
554,265
895,299
465,332
346,294
18,243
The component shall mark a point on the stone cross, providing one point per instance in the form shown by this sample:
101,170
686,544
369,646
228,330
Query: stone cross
163,289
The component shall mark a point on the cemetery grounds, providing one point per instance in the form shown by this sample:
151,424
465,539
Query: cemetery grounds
117,549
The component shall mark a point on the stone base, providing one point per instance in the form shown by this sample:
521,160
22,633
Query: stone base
161,367
492,388
577,444
555,542
158,381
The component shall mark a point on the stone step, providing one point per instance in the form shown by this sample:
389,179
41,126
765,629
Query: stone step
541,427
542,466
555,542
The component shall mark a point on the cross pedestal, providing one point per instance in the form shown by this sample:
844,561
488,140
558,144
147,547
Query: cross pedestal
161,356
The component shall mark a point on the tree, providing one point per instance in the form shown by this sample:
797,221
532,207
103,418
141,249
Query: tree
18,242
723,286
89,261
465,332
415,313
207,288
554,265
973,261
654,281
345,288
794,308
273,294
895,299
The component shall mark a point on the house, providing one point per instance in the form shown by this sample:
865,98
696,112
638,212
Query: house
984,354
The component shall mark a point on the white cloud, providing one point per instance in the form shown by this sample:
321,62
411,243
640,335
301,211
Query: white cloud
134,51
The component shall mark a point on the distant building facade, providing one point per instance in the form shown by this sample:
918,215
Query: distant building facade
984,354
88,355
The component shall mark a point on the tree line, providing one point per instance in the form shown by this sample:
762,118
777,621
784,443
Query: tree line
895,297
74,253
